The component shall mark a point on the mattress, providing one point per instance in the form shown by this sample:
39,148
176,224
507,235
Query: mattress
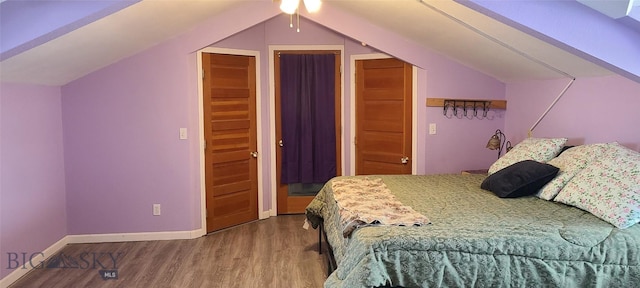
478,239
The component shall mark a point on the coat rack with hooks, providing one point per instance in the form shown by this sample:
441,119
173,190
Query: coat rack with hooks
469,107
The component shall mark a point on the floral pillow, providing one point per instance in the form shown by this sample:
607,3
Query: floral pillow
570,163
537,149
609,187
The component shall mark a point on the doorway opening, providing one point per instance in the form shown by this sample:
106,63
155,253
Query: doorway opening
307,89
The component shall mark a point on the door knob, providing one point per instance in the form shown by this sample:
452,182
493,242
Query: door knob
254,154
404,160
280,143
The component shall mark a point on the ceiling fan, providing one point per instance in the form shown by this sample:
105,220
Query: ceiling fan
293,7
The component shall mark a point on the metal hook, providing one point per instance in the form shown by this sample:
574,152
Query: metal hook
480,106
455,108
445,107
464,108
468,107
485,109
448,104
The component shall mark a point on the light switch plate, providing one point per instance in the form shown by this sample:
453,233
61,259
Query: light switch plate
432,128
156,209
183,133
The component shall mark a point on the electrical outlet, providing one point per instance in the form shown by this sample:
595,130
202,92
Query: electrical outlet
156,209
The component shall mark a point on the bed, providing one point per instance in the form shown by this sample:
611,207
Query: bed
477,238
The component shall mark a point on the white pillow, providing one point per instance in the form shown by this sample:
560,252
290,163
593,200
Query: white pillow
609,187
537,149
570,162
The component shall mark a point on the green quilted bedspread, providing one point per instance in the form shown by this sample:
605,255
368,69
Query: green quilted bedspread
477,239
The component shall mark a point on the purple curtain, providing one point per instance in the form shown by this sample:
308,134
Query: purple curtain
308,118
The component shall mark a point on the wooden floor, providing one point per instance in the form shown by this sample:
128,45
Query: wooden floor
274,252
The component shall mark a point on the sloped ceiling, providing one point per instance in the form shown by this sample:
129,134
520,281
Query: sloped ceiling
107,40
444,26
473,39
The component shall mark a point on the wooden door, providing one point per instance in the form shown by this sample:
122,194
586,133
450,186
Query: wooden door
288,204
383,117
230,133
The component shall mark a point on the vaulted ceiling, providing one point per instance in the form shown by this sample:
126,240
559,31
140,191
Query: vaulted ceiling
55,51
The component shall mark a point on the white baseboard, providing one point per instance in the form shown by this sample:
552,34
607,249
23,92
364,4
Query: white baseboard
19,272
97,238
130,237
265,214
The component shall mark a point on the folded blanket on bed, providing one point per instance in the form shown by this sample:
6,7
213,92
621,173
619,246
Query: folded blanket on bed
367,201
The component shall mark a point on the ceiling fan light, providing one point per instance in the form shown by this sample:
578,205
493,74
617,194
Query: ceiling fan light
312,5
289,6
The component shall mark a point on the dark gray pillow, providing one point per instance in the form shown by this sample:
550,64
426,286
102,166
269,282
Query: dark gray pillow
520,179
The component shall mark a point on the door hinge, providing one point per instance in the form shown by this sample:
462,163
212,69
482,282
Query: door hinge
205,145
355,141
202,73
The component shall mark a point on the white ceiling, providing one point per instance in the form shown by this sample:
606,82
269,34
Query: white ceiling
103,42
150,22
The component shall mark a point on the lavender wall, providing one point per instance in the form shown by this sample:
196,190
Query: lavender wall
122,150
594,110
32,206
459,143
121,122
